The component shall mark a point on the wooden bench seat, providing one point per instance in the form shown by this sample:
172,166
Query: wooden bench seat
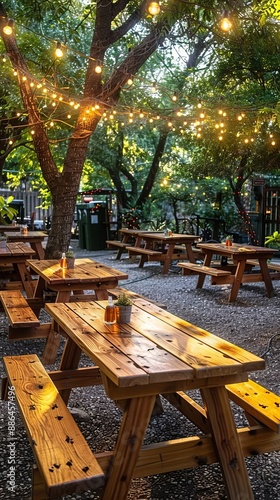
143,251
271,265
260,405
257,401
190,268
66,465
121,246
20,314
23,322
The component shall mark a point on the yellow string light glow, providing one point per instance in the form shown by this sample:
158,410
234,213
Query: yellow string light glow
154,8
226,23
58,51
8,28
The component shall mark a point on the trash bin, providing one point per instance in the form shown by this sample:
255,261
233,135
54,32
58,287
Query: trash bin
81,221
92,225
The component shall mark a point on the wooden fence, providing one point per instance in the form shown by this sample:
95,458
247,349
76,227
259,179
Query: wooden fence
31,202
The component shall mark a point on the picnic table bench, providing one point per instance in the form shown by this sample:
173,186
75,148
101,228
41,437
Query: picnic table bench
65,463
22,314
130,237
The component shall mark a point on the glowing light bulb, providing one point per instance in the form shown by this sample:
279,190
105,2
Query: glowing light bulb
226,23
98,69
8,28
58,50
154,8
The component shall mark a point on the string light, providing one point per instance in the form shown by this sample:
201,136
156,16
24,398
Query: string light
226,23
154,8
58,51
8,28
98,69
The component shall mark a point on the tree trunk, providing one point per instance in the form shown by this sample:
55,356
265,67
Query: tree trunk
236,189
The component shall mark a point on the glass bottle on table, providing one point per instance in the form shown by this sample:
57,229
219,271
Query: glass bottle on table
110,315
63,261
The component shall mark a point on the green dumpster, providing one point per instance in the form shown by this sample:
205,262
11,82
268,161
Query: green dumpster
92,225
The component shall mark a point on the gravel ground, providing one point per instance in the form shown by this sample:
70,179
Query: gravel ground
251,322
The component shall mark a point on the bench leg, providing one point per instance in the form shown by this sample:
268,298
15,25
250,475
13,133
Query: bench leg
143,259
227,444
38,489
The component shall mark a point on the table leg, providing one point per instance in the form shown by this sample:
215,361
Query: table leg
25,277
37,247
40,286
168,257
237,280
70,360
266,277
51,347
227,443
207,262
190,252
134,424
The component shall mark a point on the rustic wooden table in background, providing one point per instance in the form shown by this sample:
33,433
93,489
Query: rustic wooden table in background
161,248
15,255
34,238
235,274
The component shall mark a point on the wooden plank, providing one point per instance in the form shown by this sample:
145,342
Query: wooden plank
27,333
20,315
258,401
200,269
85,271
194,451
97,346
143,251
161,350
63,457
250,361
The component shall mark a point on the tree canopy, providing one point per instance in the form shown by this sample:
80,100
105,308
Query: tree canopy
177,74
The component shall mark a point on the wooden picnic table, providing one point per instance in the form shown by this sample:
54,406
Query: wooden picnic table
86,275
34,238
161,248
158,353
15,255
240,254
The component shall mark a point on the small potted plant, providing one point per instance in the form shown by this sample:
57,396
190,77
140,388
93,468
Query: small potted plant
124,307
70,259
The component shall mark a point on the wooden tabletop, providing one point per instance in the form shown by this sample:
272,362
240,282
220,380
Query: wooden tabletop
174,237
236,250
135,232
8,227
85,271
16,250
156,347
31,235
